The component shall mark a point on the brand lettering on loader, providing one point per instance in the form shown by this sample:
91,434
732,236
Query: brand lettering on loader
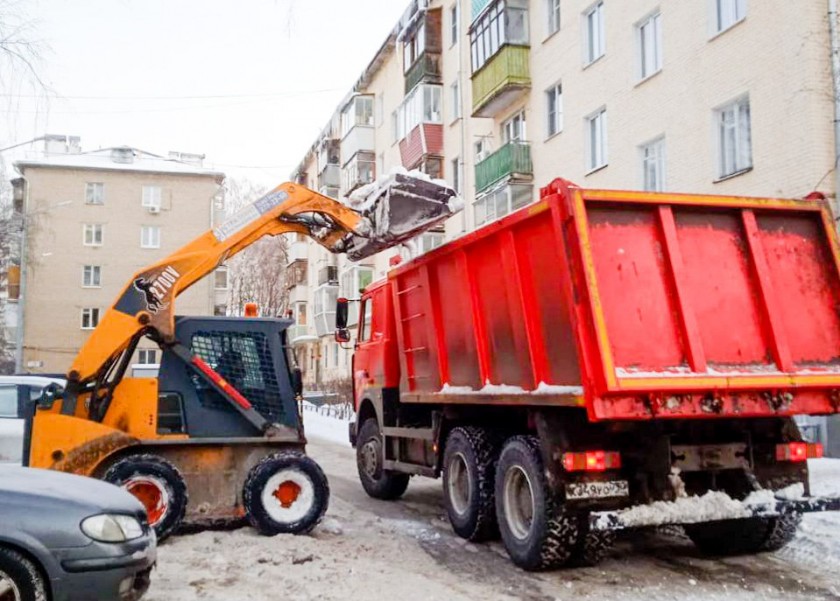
154,289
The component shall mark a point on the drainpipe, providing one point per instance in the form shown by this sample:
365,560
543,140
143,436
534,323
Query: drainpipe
835,77
461,94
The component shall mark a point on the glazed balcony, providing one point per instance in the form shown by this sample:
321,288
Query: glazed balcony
425,69
501,81
511,161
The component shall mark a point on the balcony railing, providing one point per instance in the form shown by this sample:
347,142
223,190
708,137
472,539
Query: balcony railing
511,160
501,81
330,176
296,331
426,69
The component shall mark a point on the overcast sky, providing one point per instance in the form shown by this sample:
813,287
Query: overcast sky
249,83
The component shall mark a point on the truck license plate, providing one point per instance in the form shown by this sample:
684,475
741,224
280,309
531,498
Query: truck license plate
597,490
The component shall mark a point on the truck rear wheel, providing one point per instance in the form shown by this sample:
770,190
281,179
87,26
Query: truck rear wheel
157,484
379,483
469,469
537,533
285,493
739,537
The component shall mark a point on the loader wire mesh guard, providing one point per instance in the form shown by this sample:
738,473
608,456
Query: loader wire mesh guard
244,360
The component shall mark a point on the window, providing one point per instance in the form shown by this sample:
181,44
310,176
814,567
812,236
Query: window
300,313
335,354
596,140
221,278
422,105
365,327
505,22
151,197
456,175
359,111
414,46
453,24
324,313
553,22
653,165
501,201
94,193
360,170
92,234
91,276
455,89
727,13
90,318
149,236
395,127
593,38
482,150
649,36
431,240
354,280
147,357
554,109
513,130
8,401
734,138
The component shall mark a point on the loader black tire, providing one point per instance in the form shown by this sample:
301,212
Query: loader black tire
378,483
469,472
285,493
548,537
743,537
157,484
20,578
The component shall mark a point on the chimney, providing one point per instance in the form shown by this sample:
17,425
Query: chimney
122,154
55,144
190,158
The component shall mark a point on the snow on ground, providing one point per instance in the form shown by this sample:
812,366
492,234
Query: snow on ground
327,422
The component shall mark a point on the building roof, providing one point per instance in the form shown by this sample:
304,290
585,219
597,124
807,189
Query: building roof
120,158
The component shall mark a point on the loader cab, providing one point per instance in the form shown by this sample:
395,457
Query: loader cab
251,354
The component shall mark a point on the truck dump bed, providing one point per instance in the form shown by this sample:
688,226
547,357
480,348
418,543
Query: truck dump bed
637,305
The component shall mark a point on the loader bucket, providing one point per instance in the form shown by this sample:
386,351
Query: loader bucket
398,208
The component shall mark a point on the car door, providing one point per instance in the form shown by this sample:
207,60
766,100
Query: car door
11,424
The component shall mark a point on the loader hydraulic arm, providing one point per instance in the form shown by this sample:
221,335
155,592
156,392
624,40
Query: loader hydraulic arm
392,214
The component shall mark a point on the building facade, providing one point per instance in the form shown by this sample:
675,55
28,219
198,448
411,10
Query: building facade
499,97
92,219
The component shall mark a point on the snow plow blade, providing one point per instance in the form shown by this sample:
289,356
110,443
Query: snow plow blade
398,208
711,507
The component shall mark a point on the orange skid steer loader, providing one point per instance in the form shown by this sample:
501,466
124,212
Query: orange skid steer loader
217,435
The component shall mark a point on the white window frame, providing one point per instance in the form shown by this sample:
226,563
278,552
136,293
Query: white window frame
90,318
148,239
94,193
457,174
481,150
455,95
97,234
151,197
733,123
515,128
221,271
652,158
501,201
596,140
144,354
594,42
725,14
552,17
649,45
454,24
554,110
91,276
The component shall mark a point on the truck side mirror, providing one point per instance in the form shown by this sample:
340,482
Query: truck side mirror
342,335
342,309
297,381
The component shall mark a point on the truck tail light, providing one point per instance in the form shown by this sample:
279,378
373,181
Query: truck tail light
591,461
798,451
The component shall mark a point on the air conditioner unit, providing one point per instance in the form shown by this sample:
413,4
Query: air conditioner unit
154,209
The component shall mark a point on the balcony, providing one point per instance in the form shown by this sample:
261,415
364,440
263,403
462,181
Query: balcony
501,81
511,161
360,170
425,69
298,251
296,333
330,191
299,293
330,176
328,275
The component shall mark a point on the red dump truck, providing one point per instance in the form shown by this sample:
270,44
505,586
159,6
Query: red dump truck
604,360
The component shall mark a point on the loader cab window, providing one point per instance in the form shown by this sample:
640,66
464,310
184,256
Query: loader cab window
367,319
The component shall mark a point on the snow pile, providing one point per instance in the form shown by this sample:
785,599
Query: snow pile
542,389
327,422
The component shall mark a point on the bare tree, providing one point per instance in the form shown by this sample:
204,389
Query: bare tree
257,274
10,224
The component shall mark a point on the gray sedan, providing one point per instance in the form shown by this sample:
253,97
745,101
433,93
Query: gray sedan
65,537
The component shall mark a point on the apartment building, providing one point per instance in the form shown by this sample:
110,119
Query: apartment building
92,219
499,97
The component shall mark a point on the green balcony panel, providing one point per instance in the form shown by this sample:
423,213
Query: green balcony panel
425,69
512,159
501,81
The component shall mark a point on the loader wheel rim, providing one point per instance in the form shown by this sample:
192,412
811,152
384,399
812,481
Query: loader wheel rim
8,589
152,493
519,502
370,458
459,483
288,496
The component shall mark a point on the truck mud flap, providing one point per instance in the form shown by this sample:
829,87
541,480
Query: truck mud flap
711,507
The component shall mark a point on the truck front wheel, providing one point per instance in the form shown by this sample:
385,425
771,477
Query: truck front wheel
469,469
378,482
739,537
537,533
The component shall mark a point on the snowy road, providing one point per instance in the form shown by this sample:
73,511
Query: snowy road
368,549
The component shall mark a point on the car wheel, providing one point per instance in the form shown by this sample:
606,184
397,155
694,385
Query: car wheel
157,484
20,578
285,493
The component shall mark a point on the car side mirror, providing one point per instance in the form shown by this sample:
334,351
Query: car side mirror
342,310
297,381
342,335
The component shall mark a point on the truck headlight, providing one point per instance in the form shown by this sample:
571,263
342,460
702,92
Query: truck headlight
112,528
